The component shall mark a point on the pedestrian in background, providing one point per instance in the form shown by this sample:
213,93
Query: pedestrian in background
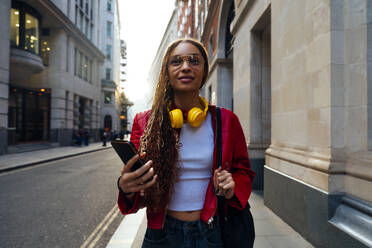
104,137
177,138
86,137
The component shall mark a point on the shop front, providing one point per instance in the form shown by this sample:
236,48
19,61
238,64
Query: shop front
29,115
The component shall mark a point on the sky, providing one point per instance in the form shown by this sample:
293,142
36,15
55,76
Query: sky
143,24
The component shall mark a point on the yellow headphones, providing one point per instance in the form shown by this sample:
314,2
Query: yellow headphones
195,116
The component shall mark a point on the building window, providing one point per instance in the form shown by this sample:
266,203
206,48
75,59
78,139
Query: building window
76,15
80,71
81,20
67,54
90,70
87,8
14,27
108,73
108,52
86,26
45,50
91,32
109,5
24,28
91,9
83,66
84,17
108,29
108,96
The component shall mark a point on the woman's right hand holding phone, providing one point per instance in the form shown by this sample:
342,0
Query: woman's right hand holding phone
138,180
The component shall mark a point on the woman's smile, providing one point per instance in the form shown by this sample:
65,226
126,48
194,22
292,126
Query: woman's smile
186,79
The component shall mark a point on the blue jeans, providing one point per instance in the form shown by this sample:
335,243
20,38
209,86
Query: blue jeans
183,234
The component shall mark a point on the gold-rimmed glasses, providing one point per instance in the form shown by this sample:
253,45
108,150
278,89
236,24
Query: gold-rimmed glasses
194,60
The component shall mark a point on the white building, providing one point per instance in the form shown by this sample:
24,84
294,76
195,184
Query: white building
111,46
50,71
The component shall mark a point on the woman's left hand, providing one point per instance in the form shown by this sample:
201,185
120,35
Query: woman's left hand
223,183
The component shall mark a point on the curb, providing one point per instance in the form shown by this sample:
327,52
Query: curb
130,232
21,166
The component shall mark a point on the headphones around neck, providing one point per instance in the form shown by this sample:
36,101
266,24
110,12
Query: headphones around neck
195,116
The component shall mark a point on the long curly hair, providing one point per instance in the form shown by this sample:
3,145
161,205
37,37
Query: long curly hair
160,141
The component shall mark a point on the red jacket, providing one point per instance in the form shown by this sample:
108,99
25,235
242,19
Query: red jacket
234,156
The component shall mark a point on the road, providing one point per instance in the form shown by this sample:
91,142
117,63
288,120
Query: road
65,203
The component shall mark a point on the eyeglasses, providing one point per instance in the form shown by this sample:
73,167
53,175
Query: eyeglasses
194,60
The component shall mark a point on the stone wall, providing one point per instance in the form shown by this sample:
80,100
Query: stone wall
302,89
4,73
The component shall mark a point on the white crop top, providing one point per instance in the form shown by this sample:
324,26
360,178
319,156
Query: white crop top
196,158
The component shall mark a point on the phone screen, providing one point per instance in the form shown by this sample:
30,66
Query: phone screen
126,150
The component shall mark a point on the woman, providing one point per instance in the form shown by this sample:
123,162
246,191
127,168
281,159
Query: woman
179,182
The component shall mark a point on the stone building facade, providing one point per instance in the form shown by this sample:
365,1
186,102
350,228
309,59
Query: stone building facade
50,71
298,75
111,69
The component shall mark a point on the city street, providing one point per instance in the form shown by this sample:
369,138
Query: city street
65,203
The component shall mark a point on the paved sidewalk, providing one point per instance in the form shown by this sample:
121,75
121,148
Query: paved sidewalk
13,161
271,231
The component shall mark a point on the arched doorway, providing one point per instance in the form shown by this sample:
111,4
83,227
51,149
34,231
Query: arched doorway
107,122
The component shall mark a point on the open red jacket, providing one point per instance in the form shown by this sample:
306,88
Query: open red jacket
234,158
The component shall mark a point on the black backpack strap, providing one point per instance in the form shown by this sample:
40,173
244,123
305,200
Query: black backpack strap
221,206
219,137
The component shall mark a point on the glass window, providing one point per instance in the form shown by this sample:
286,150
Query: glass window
85,68
108,73
91,32
91,9
108,97
14,27
109,28
89,70
68,54
76,15
86,26
108,52
45,50
80,65
32,34
109,5
81,22
75,61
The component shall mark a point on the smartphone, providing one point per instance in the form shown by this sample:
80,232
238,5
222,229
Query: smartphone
126,150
